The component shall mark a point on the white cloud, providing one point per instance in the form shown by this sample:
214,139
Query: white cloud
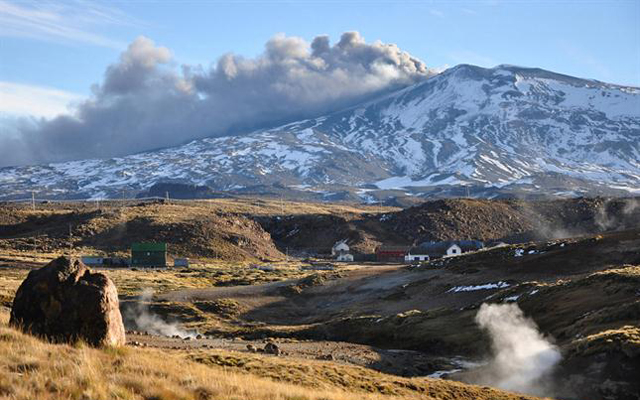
67,22
27,100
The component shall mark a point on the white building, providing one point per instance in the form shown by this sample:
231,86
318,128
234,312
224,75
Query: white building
454,250
340,247
340,250
446,249
416,257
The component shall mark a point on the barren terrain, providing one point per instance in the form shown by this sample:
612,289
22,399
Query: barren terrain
362,327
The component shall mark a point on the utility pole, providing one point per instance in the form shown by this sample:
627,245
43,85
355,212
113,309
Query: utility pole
166,196
33,200
70,240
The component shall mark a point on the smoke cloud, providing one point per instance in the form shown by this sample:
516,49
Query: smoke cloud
145,101
140,318
522,357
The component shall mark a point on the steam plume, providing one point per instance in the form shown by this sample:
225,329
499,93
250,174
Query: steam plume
140,318
606,219
522,357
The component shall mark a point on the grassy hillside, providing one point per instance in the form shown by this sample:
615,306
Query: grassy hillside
248,229
452,219
223,229
31,368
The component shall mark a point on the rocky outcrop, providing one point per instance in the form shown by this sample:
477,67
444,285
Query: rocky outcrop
272,348
64,302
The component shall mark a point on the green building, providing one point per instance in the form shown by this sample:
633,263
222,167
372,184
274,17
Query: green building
149,255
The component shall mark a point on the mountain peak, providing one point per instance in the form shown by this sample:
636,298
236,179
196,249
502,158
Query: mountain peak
506,130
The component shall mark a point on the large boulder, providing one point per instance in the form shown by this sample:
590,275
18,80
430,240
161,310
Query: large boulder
64,302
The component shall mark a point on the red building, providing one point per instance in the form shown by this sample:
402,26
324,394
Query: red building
391,253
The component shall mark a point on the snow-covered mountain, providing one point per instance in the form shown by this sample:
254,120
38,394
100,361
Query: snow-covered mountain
501,130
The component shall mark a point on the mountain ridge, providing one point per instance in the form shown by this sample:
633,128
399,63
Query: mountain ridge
505,130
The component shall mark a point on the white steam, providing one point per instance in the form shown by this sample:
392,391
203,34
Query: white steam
142,319
606,219
522,357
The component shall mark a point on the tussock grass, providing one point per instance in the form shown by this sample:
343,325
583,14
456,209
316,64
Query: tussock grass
271,207
324,375
626,339
31,369
132,282
34,369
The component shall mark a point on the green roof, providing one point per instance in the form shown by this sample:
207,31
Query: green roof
148,247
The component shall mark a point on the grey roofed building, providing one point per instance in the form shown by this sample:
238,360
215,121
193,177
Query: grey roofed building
470,245
449,247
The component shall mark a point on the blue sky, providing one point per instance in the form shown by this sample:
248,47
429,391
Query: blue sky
51,53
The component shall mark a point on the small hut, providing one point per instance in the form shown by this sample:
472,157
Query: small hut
149,255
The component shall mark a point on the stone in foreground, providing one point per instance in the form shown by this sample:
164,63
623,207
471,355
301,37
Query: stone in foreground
64,302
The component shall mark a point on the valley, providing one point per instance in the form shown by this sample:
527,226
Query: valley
572,266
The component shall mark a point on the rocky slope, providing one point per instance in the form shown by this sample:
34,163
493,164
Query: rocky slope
513,220
507,220
490,131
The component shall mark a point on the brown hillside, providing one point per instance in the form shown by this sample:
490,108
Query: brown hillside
194,230
513,220
245,229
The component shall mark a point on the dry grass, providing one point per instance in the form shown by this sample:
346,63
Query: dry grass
131,282
626,340
10,279
322,375
270,207
33,369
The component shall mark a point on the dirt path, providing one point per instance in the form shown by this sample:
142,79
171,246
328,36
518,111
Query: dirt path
397,362
270,294
215,293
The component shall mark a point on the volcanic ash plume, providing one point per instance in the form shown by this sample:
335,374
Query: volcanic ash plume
522,357
145,102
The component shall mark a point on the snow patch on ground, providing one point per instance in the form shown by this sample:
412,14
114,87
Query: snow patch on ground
486,286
